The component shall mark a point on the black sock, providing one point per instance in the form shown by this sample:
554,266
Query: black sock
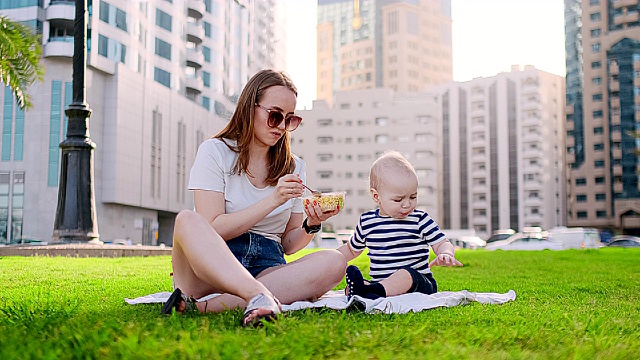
375,289
356,285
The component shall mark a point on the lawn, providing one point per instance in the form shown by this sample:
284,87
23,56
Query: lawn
573,304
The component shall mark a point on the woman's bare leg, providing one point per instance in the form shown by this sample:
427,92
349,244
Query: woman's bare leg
203,263
306,278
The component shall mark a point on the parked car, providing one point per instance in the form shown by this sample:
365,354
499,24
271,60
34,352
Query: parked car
499,235
344,235
468,242
518,241
575,237
625,241
324,241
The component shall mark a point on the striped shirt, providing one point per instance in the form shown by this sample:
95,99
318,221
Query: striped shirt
396,243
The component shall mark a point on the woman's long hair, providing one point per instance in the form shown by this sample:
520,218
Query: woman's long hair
240,128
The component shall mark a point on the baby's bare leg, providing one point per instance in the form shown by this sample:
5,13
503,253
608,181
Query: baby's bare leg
398,283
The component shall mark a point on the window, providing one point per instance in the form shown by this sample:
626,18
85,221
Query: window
596,32
206,52
595,16
601,213
207,29
597,97
581,214
581,181
161,76
596,81
598,163
206,79
206,103
325,122
163,19
383,121
598,130
381,139
581,198
598,147
599,180
594,2
597,114
163,49
596,64
601,197
595,48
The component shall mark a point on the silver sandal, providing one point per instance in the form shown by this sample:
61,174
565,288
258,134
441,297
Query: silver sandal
261,301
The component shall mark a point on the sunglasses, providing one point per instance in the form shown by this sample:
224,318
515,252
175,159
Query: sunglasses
291,122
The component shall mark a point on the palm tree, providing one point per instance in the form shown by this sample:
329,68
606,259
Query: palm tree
20,52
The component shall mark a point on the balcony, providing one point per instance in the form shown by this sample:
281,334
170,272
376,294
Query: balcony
616,153
615,102
614,69
614,86
195,32
194,84
617,4
61,10
630,17
616,136
569,125
617,170
617,187
196,8
59,47
195,58
615,119
568,109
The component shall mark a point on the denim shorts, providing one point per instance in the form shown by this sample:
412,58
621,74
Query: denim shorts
256,253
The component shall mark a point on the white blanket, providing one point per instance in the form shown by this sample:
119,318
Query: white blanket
394,304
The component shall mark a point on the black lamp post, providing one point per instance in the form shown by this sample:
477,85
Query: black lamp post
76,220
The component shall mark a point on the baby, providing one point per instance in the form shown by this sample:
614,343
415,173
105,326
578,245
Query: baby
397,235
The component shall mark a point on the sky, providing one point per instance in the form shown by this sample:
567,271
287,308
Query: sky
488,37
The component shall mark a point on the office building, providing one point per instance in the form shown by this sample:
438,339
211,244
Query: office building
401,45
340,142
603,114
502,152
162,76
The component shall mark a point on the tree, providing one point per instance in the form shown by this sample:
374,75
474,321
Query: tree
20,53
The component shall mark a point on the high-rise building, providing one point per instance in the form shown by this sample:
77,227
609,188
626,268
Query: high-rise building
603,114
402,45
162,76
340,142
502,152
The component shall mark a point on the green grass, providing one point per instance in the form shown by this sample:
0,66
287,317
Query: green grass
570,305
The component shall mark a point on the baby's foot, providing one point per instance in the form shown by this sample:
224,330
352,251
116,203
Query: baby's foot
355,281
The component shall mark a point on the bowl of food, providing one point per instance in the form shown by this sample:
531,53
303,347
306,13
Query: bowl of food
328,201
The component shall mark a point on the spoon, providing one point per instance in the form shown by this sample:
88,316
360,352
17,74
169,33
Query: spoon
314,192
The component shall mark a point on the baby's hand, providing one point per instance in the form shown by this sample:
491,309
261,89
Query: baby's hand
445,260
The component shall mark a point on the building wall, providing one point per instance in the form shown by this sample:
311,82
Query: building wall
340,142
410,45
503,163
602,114
146,127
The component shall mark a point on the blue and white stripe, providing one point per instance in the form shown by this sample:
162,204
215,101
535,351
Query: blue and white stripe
396,243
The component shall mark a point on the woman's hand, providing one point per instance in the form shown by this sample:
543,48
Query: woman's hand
315,216
288,187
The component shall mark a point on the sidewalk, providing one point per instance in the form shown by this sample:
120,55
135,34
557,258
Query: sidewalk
84,250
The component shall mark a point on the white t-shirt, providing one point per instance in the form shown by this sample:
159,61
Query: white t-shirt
212,171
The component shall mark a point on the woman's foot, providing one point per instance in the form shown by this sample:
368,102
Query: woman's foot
261,307
178,301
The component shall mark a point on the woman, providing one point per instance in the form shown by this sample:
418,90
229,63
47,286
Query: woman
247,186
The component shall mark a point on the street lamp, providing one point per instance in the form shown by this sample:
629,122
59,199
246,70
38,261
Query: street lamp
76,220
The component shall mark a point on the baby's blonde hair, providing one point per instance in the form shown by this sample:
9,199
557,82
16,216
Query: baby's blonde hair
391,162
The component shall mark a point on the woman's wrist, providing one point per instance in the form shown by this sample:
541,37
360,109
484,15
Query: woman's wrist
311,228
